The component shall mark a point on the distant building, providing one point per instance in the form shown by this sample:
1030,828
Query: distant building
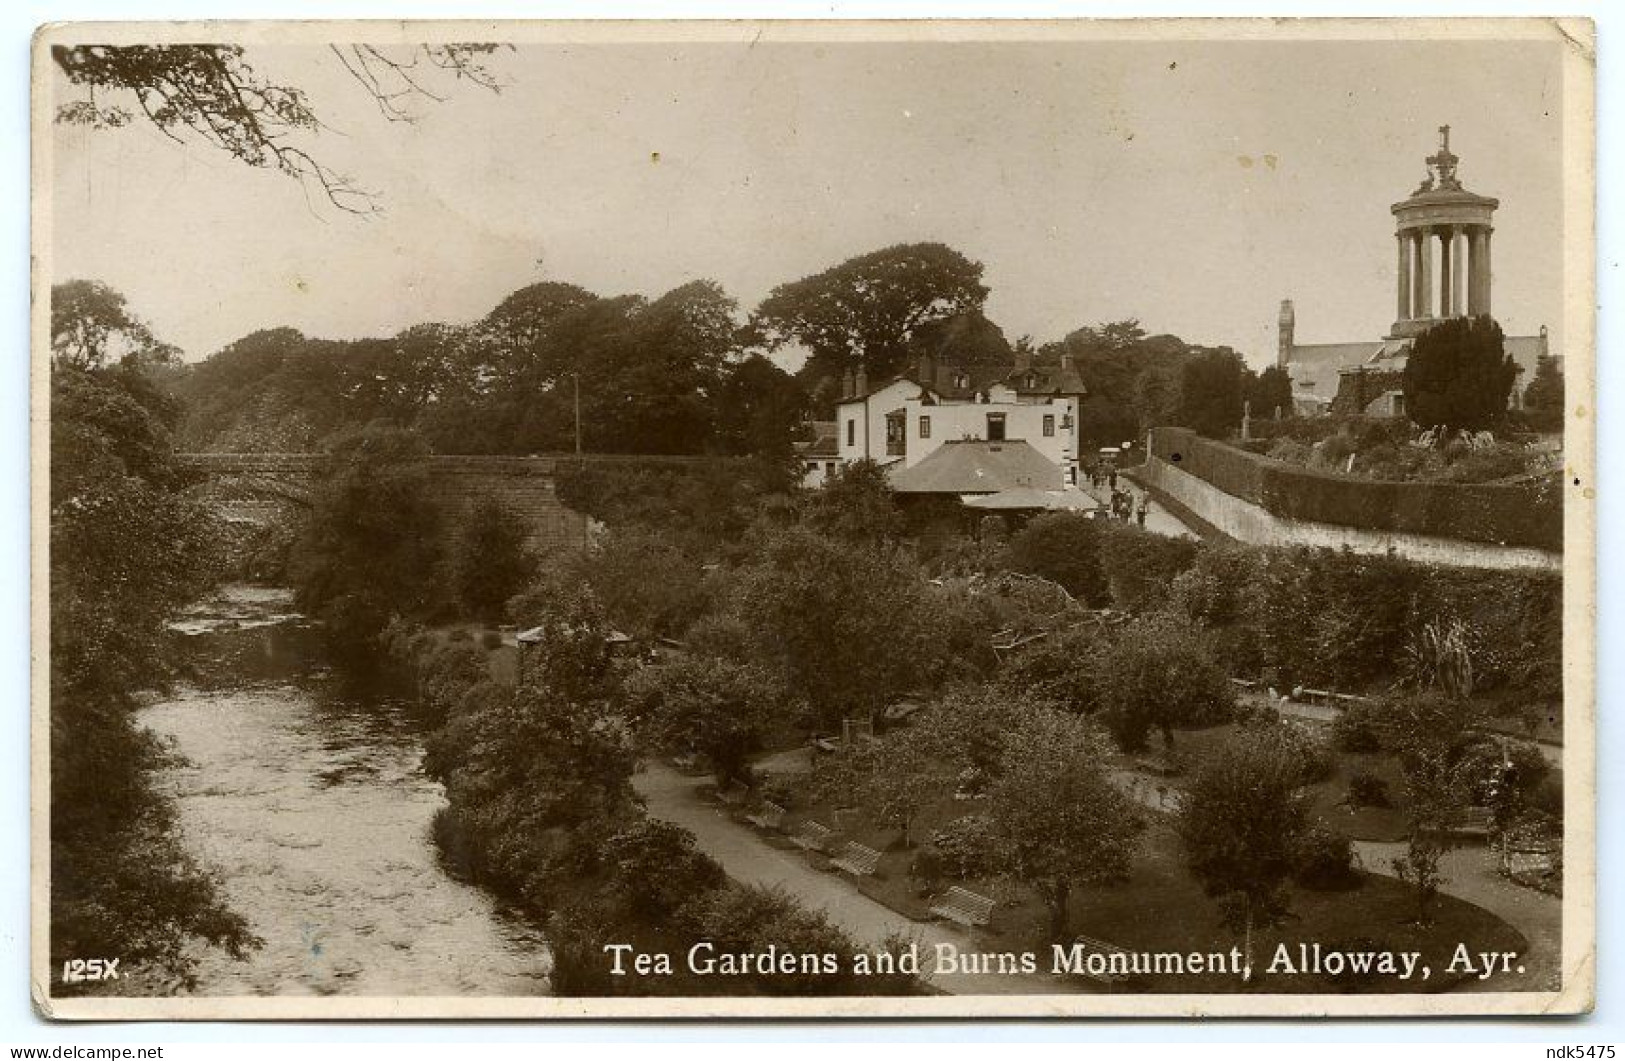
819,456
1443,243
906,420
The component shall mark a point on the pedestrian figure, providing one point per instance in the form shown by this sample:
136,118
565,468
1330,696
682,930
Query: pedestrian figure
1111,477
1145,507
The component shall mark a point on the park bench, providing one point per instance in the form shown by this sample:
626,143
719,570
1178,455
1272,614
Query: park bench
1244,683
768,816
965,907
857,859
688,763
733,795
1472,822
1104,976
1156,764
811,836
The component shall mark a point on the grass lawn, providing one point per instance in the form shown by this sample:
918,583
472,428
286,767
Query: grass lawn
1162,909
1328,797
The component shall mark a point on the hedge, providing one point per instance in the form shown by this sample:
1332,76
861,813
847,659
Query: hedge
1523,515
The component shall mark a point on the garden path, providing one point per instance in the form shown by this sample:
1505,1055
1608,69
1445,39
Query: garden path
672,796
1158,521
1470,874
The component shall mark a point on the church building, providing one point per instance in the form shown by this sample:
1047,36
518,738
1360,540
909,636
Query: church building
1443,234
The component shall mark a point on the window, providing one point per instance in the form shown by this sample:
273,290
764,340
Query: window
829,467
1049,425
894,434
851,432
995,427
925,427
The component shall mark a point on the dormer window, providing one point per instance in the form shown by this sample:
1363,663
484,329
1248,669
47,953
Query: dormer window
1031,382
961,380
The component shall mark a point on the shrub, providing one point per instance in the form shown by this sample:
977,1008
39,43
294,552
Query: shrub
1367,790
1140,567
928,868
1324,860
491,561
1355,729
965,846
1157,674
1064,548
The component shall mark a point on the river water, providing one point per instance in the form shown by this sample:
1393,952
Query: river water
306,795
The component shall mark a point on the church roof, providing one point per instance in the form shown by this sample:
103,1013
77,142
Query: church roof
974,466
1314,368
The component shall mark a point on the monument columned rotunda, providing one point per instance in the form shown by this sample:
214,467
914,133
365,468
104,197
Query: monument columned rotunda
1443,236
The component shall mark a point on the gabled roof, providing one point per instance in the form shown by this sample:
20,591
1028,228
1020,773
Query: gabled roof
1046,379
974,466
825,441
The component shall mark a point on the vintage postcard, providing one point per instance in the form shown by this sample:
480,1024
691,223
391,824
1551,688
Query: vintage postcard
818,519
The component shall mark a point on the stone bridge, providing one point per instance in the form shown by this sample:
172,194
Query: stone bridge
260,487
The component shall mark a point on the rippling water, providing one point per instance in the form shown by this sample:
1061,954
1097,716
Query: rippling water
310,801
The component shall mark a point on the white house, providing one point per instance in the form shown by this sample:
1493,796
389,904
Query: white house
905,420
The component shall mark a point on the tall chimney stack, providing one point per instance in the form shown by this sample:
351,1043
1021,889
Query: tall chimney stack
1286,324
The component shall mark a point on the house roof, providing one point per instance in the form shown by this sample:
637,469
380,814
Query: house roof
1046,379
1029,498
974,466
825,441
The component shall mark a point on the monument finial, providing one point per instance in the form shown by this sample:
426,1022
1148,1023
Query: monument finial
1443,164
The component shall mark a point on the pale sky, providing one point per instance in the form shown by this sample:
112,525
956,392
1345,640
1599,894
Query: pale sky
1192,186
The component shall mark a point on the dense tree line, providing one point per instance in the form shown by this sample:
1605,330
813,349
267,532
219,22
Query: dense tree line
127,550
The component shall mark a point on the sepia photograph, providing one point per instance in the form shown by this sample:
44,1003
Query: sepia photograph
784,519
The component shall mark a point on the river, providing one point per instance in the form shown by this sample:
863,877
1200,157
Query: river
307,797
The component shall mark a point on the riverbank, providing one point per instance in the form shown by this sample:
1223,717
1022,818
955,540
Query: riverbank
304,794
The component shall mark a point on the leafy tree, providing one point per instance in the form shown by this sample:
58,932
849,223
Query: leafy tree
127,550
759,409
894,776
966,338
1062,669
1058,819
92,326
1157,673
1242,822
1110,335
371,547
537,778
717,707
1459,375
492,561
848,627
1430,735
1158,398
865,310
1064,548
656,872
855,505
1210,392
1545,391
211,93
618,571
1271,390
